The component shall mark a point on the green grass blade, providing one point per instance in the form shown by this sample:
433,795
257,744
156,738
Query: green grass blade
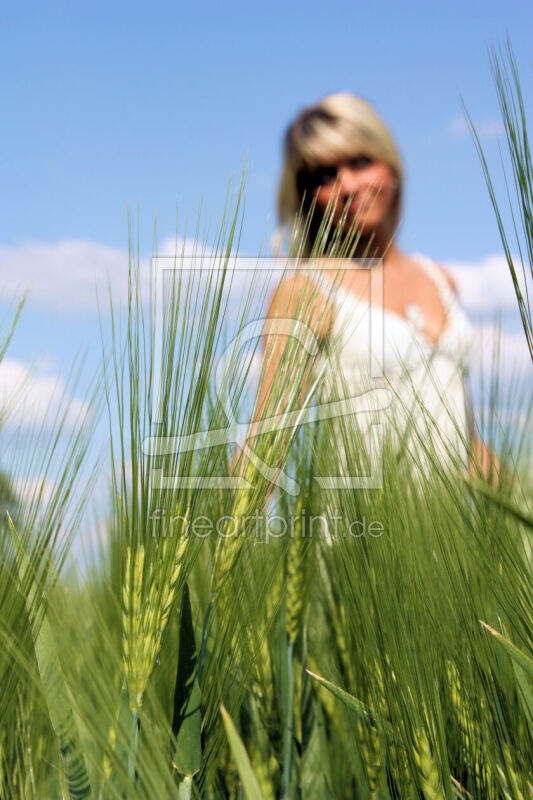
250,783
360,708
525,661
55,689
502,502
288,696
187,719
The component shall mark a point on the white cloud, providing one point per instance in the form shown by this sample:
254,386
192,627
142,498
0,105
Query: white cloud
486,128
508,348
68,275
35,398
485,285
64,275
28,489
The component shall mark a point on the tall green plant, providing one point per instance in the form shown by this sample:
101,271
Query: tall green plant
520,194
351,660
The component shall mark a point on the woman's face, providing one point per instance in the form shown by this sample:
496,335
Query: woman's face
367,184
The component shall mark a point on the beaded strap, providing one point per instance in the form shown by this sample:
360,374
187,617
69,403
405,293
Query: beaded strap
457,336
439,279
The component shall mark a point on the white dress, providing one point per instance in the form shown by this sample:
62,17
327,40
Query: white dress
414,390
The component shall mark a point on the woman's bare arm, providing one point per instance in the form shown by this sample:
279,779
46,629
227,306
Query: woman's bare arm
483,460
287,370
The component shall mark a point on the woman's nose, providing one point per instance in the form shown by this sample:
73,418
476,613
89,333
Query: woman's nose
348,181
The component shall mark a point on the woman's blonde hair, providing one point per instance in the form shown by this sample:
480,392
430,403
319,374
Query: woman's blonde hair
339,126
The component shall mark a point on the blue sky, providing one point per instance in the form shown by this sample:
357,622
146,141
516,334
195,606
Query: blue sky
155,104
152,106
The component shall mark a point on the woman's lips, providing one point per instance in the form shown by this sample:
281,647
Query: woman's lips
356,206
361,203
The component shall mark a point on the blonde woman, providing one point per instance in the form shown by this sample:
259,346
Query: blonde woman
340,193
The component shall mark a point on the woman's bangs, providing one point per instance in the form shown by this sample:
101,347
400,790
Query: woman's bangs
332,147
336,143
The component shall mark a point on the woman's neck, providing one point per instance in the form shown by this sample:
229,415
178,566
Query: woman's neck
379,245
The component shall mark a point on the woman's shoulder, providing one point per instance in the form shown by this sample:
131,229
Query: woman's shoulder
297,285
301,295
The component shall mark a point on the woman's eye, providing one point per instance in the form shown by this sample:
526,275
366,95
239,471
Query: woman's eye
325,175
361,161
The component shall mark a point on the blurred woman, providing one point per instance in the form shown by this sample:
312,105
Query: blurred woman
395,318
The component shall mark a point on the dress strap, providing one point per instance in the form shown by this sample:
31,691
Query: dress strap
431,269
457,336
